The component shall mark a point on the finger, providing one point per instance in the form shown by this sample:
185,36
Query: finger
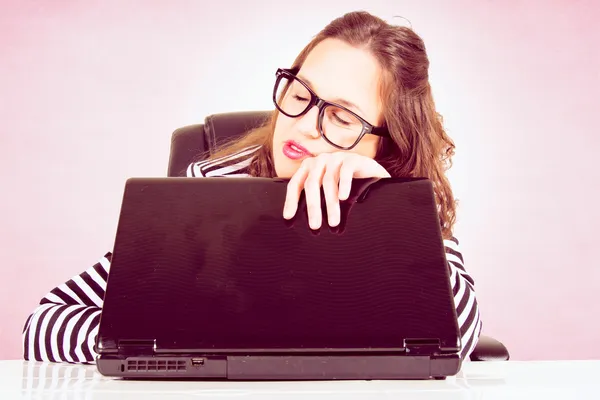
330,190
347,170
312,192
294,189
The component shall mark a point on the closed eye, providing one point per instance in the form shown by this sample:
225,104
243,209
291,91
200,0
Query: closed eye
296,97
340,120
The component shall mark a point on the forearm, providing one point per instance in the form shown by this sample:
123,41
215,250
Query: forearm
63,328
465,300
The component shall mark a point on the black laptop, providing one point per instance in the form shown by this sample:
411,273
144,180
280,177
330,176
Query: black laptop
209,281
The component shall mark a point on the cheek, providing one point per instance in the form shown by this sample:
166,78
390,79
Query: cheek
282,127
367,147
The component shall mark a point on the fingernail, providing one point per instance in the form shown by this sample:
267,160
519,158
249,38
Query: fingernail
314,223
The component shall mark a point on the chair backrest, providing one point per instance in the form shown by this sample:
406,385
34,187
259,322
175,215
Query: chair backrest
194,142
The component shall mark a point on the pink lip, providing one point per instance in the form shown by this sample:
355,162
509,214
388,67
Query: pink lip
295,151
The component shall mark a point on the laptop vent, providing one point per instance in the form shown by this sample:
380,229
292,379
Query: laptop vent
153,365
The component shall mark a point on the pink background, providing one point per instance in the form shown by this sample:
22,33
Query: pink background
90,92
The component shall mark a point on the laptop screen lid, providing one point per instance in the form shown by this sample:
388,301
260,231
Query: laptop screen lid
211,266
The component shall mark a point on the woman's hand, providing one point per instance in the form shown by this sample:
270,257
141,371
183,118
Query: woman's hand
333,171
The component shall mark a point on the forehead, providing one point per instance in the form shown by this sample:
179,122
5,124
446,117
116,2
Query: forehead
337,70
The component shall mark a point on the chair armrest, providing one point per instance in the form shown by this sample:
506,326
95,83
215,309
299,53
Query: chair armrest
489,349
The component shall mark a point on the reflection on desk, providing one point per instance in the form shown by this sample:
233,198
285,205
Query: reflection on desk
477,380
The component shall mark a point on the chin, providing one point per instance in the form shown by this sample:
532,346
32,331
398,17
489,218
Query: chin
284,173
284,168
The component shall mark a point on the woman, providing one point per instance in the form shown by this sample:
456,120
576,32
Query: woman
356,104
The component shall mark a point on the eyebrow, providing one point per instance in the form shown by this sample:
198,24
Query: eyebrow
340,101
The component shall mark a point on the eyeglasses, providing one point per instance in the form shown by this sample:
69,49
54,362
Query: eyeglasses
339,126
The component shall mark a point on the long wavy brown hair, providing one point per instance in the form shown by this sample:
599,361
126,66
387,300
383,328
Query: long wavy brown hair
419,145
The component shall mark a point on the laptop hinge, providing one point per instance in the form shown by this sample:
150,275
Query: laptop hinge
416,347
136,347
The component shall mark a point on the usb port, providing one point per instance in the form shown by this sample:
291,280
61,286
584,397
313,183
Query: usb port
197,362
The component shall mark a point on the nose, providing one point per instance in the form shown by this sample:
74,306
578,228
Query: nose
308,123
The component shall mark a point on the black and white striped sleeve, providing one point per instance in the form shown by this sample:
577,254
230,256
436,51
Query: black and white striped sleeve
234,165
463,287
64,327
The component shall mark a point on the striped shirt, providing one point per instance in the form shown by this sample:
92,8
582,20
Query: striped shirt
64,327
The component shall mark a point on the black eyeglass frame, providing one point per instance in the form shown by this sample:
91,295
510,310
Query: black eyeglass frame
315,100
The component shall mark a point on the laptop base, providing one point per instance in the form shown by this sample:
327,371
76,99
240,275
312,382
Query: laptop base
239,367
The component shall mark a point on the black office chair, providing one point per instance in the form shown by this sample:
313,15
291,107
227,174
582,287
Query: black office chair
191,142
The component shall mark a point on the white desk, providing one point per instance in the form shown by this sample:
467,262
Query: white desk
477,380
